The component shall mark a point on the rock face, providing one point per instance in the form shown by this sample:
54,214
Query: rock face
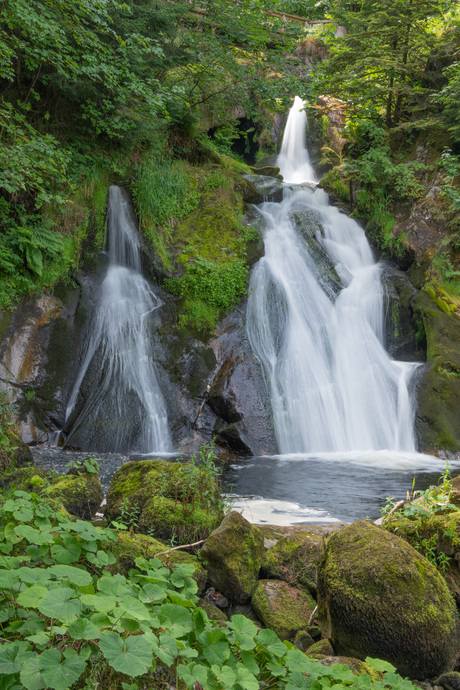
232,555
284,609
378,597
438,420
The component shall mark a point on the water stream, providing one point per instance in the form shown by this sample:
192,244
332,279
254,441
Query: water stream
124,396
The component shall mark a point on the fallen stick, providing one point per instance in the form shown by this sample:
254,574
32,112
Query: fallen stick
175,548
313,615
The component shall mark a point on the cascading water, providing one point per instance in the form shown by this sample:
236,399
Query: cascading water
124,396
333,387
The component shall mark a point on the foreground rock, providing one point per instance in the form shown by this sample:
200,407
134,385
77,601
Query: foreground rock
378,597
284,609
294,559
166,500
232,555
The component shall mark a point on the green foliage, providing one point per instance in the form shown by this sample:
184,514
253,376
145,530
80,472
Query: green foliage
209,289
65,618
449,98
8,435
421,508
89,465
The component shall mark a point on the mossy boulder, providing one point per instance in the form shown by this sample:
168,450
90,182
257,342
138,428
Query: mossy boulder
294,559
21,456
214,613
379,597
232,555
81,494
356,665
130,546
449,681
268,171
166,499
26,479
320,649
284,609
438,420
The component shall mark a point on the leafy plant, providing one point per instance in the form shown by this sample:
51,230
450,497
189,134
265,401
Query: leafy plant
66,618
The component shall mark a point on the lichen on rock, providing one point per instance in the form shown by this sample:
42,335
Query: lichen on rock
379,597
282,608
294,559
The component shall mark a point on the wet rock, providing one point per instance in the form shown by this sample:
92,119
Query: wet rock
378,597
438,421
282,608
238,393
130,546
21,456
449,681
165,499
400,328
216,598
233,554
294,559
303,640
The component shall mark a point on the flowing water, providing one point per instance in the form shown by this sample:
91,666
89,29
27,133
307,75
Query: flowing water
124,395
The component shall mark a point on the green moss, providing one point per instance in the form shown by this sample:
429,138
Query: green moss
25,478
81,495
282,608
378,597
294,559
130,546
320,649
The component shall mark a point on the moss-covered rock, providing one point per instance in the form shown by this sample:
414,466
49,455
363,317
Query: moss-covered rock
303,640
294,559
320,649
233,554
449,681
26,479
378,597
268,171
21,456
130,546
214,612
284,609
166,499
81,494
438,420
356,665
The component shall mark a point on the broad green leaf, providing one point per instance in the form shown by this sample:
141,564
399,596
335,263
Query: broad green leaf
8,578
31,678
60,671
60,603
31,596
100,603
164,647
133,608
249,662
115,585
176,619
83,629
215,646
12,656
33,575
193,673
40,638
10,533
380,665
246,679
68,551
77,576
34,536
225,675
244,631
130,655
152,593
274,667
272,643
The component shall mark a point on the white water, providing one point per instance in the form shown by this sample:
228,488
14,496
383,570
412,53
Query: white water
333,386
128,388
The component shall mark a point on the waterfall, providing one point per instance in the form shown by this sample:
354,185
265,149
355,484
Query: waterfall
122,394
315,322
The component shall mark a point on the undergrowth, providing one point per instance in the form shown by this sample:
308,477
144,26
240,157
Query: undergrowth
67,618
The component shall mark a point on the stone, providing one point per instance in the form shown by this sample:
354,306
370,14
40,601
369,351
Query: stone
284,609
233,554
294,559
81,494
213,612
303,640
356,665
379,597
166,499
449,681
320,649
130,546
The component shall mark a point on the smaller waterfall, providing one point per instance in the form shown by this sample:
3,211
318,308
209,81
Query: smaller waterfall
293,159
122,394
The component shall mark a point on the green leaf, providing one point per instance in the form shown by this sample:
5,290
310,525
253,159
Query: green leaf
164,647
249,662
272,643
100,603
31,596
152,593
215,646
246,679
131,655
133,608
41,638
33,575
76,576
12,656
67,552
60,603
380,665
34,536
244,631
31,678
60,671
193,673
176,619
83,629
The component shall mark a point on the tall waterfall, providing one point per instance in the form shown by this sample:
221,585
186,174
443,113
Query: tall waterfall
123,395
315,322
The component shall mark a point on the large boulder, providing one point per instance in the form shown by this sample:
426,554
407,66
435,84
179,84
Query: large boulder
378,597
80,493
232,555
284,609
166,500
294,559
